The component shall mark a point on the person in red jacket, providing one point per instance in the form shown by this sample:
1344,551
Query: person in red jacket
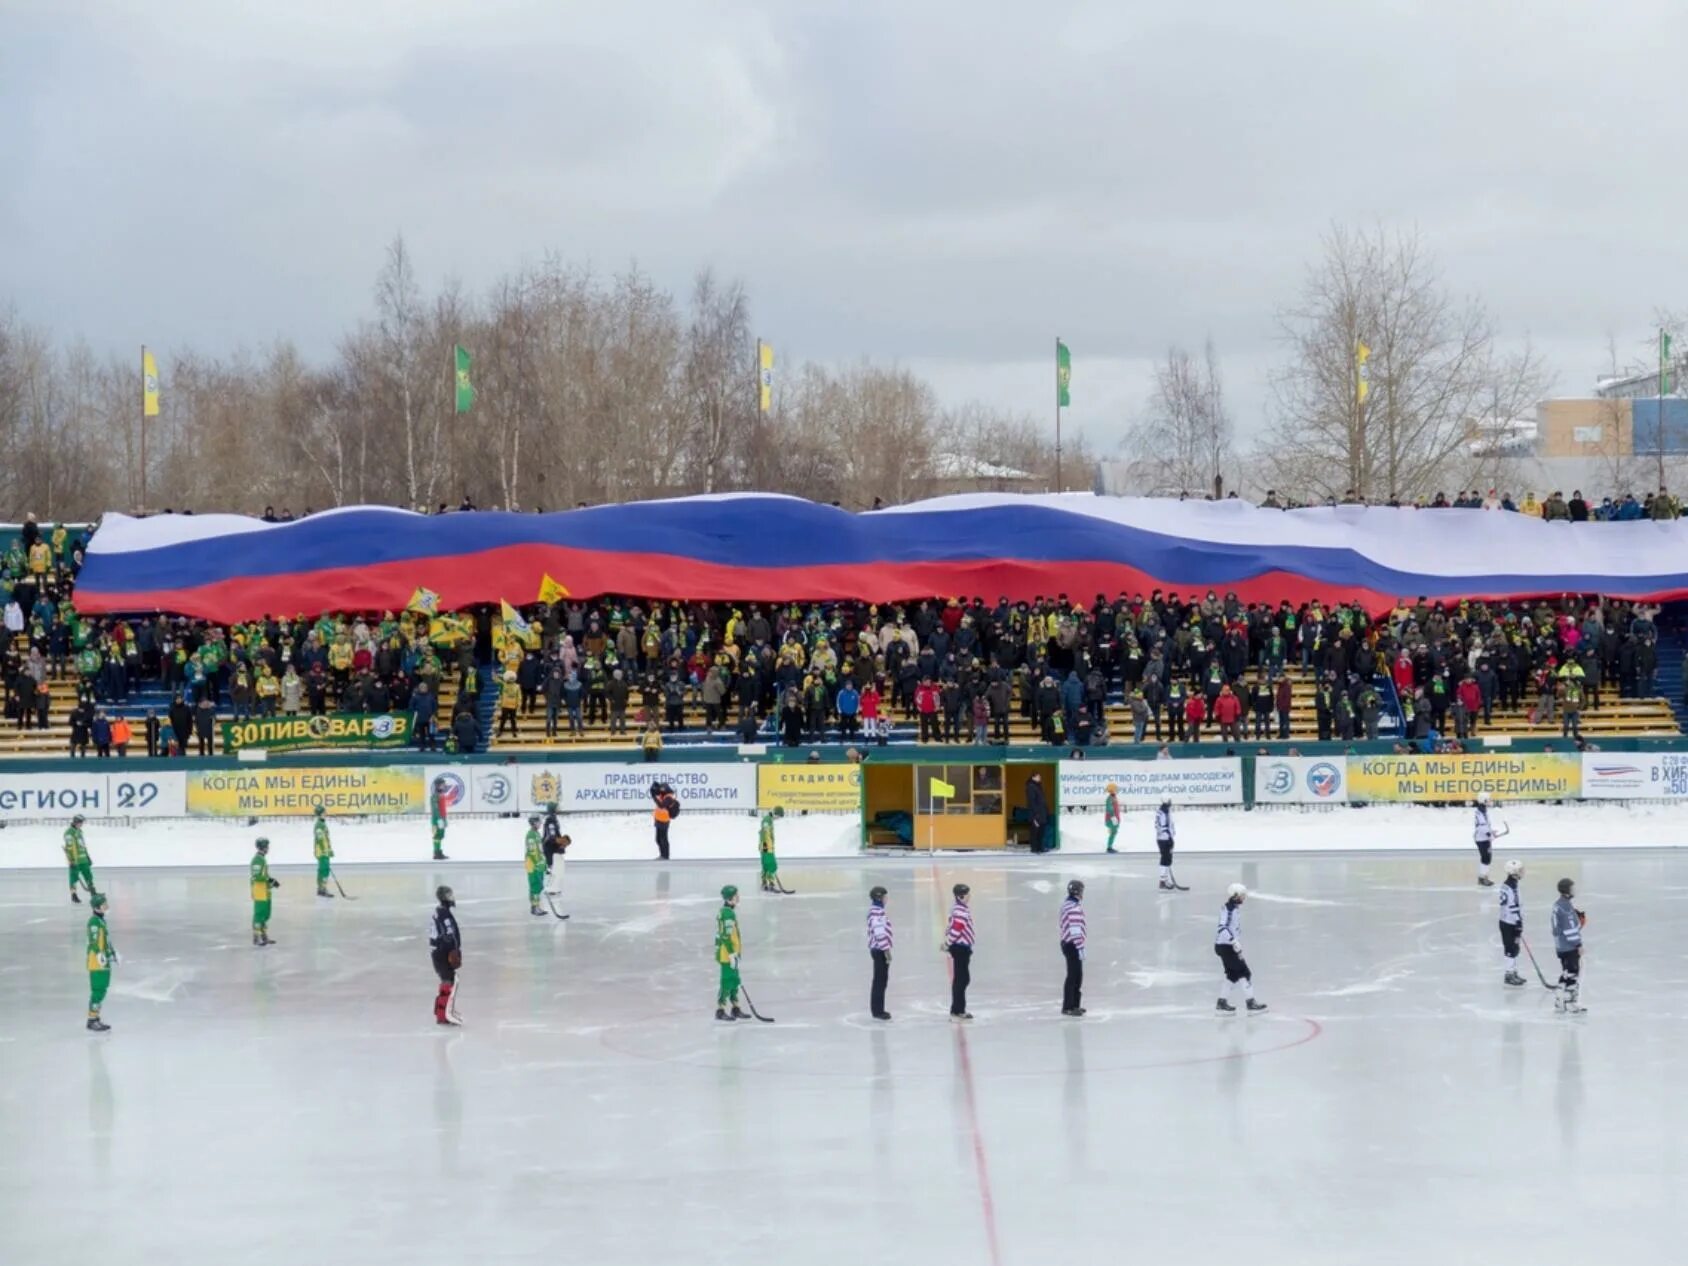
1472,698
1195,712
1228,711
926,704
870,714
1404,675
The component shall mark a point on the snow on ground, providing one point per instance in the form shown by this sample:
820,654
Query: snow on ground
727,836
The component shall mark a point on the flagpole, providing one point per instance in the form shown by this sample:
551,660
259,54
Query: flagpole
1057,413
143,506
1660,445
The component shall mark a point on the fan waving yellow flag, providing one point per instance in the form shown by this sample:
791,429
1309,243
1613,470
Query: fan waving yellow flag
550,590
942,790
149,384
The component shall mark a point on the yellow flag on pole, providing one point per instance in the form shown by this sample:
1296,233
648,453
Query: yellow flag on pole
764,375
942,790
149,384
549,590
1362,375
424,600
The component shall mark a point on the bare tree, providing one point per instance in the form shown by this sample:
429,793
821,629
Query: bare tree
1183,443
1432,375
718,378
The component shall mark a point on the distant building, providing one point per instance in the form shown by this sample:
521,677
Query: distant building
955,472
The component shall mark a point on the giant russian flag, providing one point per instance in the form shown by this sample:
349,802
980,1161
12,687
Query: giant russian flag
766,548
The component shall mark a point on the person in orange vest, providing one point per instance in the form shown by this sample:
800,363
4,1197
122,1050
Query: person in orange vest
120,735
667,808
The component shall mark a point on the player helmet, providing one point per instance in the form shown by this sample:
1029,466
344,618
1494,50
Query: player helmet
876,894
78,820
1565,887
1482,797
445,896
1514,868
263,844
1112,787
1075,888
319,811
961,890
779,810
533,819
729,892
97,901
1236,892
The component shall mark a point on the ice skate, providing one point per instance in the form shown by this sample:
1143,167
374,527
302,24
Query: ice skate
737,1014
1254,1006
882,1015
1073,1012
1166,885
323,892
74,897
97,1025
1483,881
1224,1007
957,1019
538,911
1513,978
721,1014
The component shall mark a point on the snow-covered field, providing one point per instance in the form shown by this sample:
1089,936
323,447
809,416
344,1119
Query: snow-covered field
727,836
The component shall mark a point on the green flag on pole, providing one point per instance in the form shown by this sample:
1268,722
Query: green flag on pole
465,388
1063,375
1664,363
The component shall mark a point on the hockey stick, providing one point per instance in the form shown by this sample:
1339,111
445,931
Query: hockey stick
766,1019
451,1012
779,886
348,896
553,906
1536,965
1173,879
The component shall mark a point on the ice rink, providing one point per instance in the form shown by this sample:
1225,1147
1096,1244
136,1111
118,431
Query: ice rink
298,1105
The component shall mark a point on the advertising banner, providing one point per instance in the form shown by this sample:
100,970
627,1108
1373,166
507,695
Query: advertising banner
1147,782
626,788
335,729
1458,778
477,788
141,795
261,791
1301,780
1635,775
809,788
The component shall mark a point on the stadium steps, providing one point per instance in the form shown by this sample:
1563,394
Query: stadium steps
1671,676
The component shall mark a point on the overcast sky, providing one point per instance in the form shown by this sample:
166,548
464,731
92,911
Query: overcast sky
945,184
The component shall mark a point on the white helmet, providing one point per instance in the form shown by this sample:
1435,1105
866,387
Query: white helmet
1514,868
1482,797
1236,892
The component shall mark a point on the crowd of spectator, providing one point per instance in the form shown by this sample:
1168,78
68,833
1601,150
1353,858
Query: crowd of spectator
1188,667
1658,505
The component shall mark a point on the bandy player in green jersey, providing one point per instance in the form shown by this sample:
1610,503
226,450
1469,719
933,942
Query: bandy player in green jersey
534,859
102,956
727,946
323,850
76,858
262,883
436,817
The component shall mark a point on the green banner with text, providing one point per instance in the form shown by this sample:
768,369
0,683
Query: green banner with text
333,730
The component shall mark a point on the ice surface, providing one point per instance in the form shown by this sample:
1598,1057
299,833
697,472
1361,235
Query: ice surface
298,1105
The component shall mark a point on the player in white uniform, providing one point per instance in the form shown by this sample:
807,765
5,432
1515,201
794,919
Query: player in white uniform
1483,834
1511,921
1227,944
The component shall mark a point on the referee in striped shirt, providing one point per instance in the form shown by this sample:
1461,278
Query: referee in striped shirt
958,944
1072,948
879,949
